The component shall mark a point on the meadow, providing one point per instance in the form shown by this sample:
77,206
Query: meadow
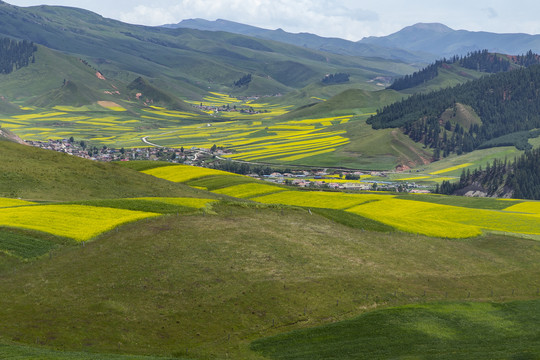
208,285
199,277
425,331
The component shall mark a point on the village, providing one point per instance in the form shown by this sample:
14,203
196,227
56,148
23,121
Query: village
338,179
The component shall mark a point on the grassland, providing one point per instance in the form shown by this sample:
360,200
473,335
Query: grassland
205,286
36,174
206,278
429,331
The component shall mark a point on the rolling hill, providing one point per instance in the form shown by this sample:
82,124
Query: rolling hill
232,278
184,61
37,174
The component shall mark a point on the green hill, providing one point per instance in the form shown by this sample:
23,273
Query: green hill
206,286
507,104
441,331
153,95
190,58
37,174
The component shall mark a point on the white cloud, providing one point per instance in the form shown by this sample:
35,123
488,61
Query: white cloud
325,18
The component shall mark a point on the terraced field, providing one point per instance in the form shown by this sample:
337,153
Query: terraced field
250,129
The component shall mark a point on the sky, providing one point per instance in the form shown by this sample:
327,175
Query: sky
347,19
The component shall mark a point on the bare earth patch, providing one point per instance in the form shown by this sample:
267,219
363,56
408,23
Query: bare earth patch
109,104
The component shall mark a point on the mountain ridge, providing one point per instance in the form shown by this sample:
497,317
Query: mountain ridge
446,42
304,39
187,60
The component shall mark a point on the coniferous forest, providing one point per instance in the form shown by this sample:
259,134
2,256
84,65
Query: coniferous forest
15,54
508,104
478,60
520,178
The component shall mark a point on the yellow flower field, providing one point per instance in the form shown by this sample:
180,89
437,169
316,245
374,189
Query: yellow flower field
319,199
196,203
445,220
457,167
414,178
6,202
416,217
306,154
528,207
249,190
260,138
77,222
182,173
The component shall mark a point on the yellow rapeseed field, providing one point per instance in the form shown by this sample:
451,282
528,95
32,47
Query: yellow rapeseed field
196,203
182,173
445,220
319,199
457,167
6,202
249,190
529,207
77,222
416,217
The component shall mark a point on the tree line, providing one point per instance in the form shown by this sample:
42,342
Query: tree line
507,103
245,168
519,178
15,54
482,61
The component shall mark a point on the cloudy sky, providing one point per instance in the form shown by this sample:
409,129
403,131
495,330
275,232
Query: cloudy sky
349,19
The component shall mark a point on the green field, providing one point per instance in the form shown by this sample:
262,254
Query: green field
208,276
461,330
207,285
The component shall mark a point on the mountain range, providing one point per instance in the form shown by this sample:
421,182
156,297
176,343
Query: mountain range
186,62
424,42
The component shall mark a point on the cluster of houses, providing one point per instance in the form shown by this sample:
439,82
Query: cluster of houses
192,156
323,179
331,179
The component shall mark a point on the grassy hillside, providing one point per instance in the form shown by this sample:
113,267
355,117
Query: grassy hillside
351,101
206,286
205,282
428,331
32,173
46,76
197,59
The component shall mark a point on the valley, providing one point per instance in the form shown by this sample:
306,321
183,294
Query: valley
213,190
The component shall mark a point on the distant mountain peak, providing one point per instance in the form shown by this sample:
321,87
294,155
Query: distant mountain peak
434,27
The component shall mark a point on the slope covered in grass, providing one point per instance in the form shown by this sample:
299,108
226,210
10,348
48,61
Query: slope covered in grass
206,286
37,174
428,331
